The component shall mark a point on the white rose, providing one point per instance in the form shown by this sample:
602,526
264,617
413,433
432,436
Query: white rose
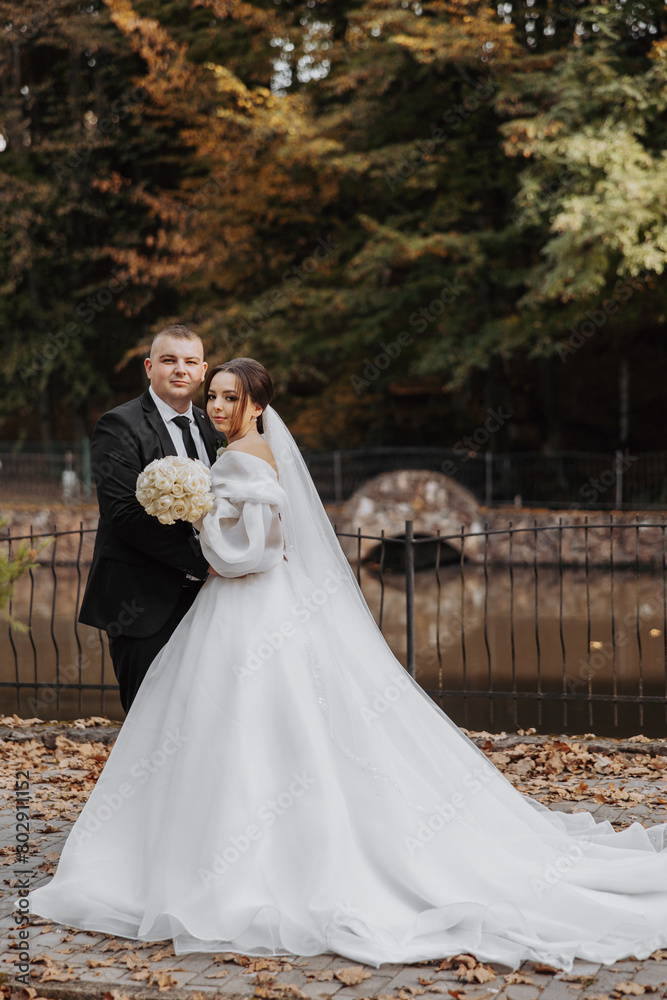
164,503
163,483
191,483
177,489
179,509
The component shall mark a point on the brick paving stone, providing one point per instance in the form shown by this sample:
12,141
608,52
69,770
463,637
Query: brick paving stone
449,975
478,990
368,988
325,989
181,974
45,942
317,962
611,813
541,979
230,984
213,966
86,940
583,968
557,989
521,991
296,976
392,969
195,961
92,976
652,974
606,981
407,975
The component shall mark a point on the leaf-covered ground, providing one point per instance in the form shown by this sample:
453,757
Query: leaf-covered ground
616,780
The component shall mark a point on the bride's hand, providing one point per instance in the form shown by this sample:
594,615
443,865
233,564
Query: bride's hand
214,572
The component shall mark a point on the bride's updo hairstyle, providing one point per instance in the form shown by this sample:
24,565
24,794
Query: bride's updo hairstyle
252,381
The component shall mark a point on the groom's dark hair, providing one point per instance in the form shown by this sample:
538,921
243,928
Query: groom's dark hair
254,383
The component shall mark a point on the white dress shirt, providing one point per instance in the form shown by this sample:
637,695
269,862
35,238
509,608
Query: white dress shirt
168,413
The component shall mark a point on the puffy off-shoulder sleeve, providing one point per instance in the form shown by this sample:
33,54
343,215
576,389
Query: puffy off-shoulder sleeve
243,532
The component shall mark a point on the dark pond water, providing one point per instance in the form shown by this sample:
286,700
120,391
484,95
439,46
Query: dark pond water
564,634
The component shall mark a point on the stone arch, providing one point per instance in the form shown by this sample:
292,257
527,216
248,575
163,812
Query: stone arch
430,500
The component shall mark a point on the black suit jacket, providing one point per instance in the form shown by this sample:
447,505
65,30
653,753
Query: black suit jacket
139,565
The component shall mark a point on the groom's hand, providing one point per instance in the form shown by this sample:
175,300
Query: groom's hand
214,572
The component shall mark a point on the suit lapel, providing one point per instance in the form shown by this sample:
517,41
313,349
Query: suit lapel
157,424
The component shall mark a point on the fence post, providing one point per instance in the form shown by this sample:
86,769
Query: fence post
410,597
488,478
338,477
85,465
619,479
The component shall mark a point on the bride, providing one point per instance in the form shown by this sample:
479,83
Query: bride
257,800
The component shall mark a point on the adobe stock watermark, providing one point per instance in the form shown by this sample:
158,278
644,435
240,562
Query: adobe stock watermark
93,819
427,654
597,486
408,164
443,813
23,874
596,318
529,215
69,674
239,844
56,342
37,21
343,914
303,610
263,308
469,445
217,181
119,110
385,699
555,871
420,319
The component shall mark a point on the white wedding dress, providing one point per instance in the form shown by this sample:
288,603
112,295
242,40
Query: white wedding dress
281,785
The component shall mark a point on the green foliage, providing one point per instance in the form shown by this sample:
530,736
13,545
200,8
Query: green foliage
12,569
307,183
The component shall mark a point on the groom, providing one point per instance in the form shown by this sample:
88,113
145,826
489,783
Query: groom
145,575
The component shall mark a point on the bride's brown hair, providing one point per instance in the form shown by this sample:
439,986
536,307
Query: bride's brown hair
253,382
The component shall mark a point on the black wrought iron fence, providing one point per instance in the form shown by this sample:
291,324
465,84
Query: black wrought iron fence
561,627
585,480
602,481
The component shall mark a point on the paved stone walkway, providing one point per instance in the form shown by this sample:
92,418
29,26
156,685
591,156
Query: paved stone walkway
67,964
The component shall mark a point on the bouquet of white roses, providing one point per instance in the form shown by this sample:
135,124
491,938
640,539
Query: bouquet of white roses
175,489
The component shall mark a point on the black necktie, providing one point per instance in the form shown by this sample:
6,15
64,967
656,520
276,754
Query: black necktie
188,439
